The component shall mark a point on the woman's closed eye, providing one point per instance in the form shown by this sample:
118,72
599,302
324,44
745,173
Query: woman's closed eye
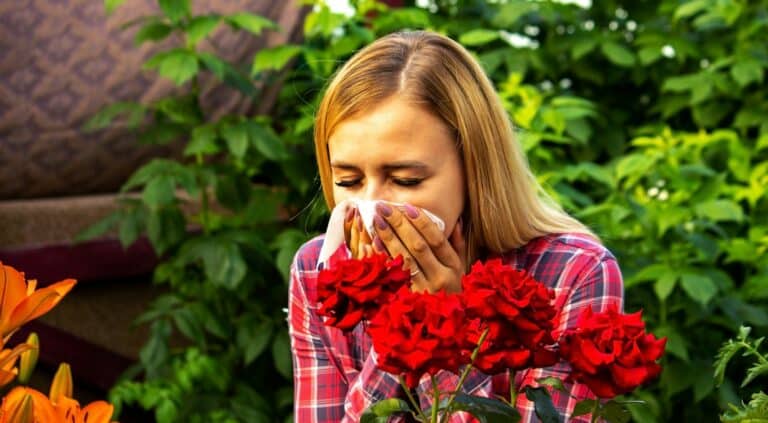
347,183
407,182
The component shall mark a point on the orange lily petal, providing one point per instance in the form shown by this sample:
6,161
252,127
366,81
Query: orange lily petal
37,304
12,290
68,410
98,412
23,412
7,376
15,405
61,386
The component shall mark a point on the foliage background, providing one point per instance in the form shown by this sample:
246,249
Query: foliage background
644,118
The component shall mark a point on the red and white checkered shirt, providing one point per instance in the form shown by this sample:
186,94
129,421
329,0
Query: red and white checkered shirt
335,374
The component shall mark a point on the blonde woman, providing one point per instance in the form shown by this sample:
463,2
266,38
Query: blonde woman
412,119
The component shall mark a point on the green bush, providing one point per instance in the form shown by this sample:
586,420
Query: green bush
644,119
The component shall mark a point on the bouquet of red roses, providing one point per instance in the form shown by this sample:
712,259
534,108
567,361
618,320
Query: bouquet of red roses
503,321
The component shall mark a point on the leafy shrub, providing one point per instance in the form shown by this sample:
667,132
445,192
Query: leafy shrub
643,118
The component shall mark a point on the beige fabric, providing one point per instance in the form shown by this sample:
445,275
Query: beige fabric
62,61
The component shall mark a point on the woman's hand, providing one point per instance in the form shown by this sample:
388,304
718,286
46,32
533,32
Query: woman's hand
434,261
358,239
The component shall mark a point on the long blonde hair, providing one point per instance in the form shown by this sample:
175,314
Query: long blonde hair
506,207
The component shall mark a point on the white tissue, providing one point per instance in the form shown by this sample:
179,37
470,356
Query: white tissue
334,235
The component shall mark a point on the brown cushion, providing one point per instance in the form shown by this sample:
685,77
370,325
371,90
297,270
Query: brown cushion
63,61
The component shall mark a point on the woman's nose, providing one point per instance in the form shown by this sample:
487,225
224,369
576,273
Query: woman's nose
375,191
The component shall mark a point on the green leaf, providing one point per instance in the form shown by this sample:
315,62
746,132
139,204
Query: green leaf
236,136
100,227
189,324
203,141
618,53
758,369
633,164
583,46
274,58
690,8
720,211
228,73
111,5
553,382
648,55
486,410
281,354
253,337
676,344
747,71
664,286
287,243
131,225
478,37
159,192
152,31
615,412
543,405
175,10
250,22
178,65
584,407
133,111
380,411
183,110
200,26
224,264
266,141
511,12
698,287
165,228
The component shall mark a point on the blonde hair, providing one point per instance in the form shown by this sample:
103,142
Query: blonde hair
506,207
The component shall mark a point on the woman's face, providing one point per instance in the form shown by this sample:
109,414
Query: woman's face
398,152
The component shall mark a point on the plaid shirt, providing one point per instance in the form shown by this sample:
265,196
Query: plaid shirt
335,375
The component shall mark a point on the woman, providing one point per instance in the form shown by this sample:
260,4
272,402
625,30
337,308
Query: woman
413,119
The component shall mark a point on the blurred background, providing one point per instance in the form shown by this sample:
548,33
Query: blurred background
161,153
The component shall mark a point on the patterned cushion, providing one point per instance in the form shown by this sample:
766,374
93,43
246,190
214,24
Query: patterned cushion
63,60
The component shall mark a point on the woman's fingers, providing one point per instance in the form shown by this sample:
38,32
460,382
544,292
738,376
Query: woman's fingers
401,237
443,250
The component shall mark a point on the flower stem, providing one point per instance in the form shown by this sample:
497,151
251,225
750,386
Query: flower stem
465,373
595,408
512,389
415,404
436,401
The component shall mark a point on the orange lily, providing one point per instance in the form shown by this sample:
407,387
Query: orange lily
69,411
8,358
26,405
20,303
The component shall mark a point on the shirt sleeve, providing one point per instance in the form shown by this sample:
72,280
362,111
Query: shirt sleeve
328,387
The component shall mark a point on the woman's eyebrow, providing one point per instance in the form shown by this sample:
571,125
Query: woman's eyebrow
343,165
415,165
400,165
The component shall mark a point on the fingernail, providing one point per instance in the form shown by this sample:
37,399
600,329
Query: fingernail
350,214
359,224
378,244
411,211
384,209
380,223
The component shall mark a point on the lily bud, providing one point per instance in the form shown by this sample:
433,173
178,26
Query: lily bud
29,358
62,383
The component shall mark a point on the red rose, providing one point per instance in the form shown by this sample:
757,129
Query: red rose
419,333
611,352
518,312
353,289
